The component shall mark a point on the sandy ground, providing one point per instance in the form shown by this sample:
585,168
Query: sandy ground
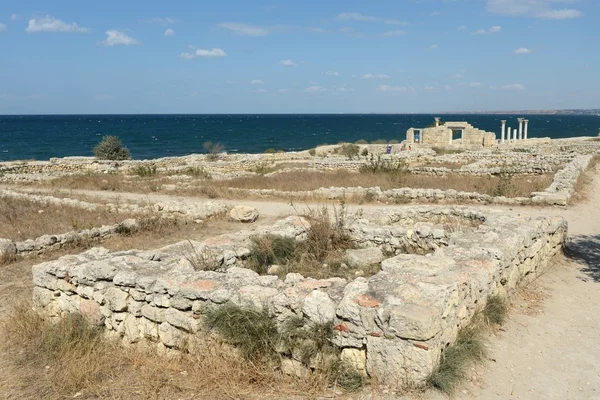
549,348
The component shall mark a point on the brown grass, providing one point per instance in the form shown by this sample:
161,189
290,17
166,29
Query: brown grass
72,359
584,182
521,185
23,219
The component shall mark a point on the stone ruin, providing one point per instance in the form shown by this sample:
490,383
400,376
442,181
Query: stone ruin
451,133
439,265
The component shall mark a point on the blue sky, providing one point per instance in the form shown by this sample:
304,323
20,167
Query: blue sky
275,56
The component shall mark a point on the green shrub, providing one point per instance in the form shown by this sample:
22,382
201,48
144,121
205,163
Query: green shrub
439,151
379,141
270,151
110,148
253,332
197,172
268,250
361,141
393,141
381,165
312,152
364,152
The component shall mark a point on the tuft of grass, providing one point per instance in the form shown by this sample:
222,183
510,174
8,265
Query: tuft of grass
213,149
361,141
379,141
495,310
312,152
198,172
446,150
349,150
145,170
268,250
270,150
468,349
253,332
206,260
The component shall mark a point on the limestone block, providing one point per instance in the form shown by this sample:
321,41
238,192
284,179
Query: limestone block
243,214
170,336
91,311
116,299
360,258
355,358
294,368
153,313
42,297
7,247
318,307
131,327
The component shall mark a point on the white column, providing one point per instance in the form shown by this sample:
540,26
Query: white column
437,121
515,134
520,128
526,125
503,130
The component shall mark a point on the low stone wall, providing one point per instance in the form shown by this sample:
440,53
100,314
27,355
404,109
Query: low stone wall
55,242
563,184
392,326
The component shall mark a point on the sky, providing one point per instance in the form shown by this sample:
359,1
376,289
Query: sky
309,56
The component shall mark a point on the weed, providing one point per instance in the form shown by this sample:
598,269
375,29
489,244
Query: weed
361,141
269,250
505,186
446,150
198,172
364,152
381,165
379,141
393,141
204,260
495,310
145,170
213,149
253,332
312,152
349,150
469,348
270,151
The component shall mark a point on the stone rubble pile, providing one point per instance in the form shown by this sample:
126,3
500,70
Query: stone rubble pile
393,325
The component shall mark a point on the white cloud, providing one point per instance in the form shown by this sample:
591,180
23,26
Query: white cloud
429,88
458,76
471,84
344,89
354,16
352,32
256,82
14,17
397,32
315,89
395,22
433,47
2,27
375,76
261,90
533,8
448,88
164,21
392,89
288,63
522,50
203,53
114,38
244,29
50,24
169,32
462,28
493,29
514,86
331,73
229,82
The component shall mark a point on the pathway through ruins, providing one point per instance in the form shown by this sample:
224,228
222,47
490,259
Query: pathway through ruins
550,347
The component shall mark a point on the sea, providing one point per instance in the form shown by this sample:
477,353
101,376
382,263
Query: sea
40,137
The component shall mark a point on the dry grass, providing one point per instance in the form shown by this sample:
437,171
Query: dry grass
72,359
584,182
23,219
521,185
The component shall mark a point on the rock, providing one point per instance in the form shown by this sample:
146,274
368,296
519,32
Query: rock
355,358
318,307
294,368
274,269
364,257
116,299
243,214
91,311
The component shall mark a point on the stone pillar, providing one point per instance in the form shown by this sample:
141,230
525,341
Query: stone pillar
520,128
437,121
515,134
503,130
526,125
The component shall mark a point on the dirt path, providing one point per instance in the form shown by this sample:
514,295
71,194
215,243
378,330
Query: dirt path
550,348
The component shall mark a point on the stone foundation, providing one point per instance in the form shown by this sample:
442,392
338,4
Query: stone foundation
392,326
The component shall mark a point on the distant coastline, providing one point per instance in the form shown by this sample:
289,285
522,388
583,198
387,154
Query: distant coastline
594,111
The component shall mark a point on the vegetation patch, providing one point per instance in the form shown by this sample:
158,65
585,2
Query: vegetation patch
446,150
110,148
349,150
213,149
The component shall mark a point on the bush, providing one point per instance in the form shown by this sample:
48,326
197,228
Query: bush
381,165
268,250
440,151
349,150
110,148
379,141
495,310
361,141
393,141
213,149
312,152
364,152
145,170
270,151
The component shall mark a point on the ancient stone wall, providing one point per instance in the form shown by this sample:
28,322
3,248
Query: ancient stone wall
392,326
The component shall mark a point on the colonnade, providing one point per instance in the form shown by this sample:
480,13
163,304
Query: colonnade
508,135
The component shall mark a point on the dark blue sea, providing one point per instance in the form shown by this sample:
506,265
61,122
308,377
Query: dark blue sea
152,136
